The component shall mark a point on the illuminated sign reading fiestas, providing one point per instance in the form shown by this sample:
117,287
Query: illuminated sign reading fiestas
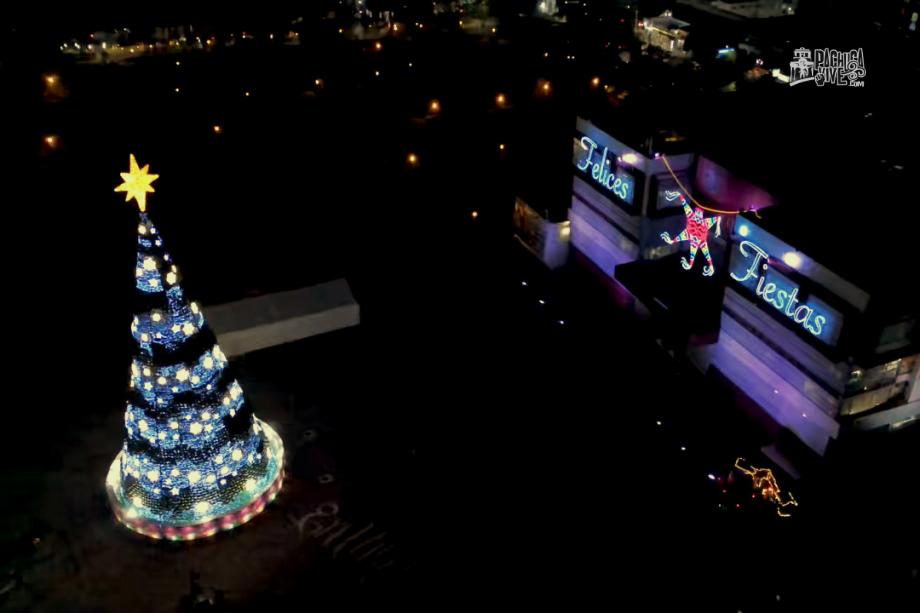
617,181
751,269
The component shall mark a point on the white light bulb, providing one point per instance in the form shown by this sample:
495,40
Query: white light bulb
142,425
150,264
182,374
174,472
250,485
194,477
194,306
211,479
202,507
188,329
153,475
237,455
219,459
195,428
208,362
156,317
142,229
154,283
174,425
205,415
161,380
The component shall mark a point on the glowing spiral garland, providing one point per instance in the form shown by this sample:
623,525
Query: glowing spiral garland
195,459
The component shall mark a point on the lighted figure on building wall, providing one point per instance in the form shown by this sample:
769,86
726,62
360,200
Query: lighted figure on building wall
697,232
195,459
765,482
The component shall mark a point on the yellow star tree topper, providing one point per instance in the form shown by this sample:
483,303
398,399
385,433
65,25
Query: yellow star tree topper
137,184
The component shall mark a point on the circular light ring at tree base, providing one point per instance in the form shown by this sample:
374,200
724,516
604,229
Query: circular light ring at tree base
245,506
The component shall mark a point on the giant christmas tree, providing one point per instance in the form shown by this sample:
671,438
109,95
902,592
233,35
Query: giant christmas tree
195,459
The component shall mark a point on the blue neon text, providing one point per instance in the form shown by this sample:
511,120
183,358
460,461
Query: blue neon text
619,182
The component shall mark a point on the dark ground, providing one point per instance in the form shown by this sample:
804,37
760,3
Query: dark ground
508,459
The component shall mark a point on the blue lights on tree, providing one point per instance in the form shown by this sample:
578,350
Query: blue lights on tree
195,459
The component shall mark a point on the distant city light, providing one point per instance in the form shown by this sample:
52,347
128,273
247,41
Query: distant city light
711,476
596,81
682,448
541,301
434,106
546,87
378,46
546,54
246,94
500,99
658,422
494,30
561,322
501,146
341,30
743,230
376,73
177,90
474,214
178,63
217,129
50,80
793,259
524,283
318,82
630,158
51,140
412,159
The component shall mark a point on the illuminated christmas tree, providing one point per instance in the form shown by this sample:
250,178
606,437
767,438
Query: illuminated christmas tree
195,459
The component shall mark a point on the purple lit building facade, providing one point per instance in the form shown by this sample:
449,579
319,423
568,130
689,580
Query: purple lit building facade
805,348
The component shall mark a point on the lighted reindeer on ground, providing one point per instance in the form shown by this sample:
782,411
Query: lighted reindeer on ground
764,480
